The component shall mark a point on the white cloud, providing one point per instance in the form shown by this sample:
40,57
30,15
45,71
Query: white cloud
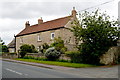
16,12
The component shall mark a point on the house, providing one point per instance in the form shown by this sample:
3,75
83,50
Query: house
11,46
45,32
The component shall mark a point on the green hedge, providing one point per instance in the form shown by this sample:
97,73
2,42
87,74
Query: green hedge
74,56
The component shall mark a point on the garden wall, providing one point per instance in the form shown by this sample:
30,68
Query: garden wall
111,56
9,55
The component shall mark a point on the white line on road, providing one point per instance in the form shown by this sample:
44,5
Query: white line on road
14,71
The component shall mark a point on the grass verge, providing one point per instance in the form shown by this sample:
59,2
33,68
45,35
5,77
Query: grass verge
65,64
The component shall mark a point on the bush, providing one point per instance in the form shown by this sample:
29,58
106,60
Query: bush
27,49
22,53
75,56
4,49
33,49
44,46
52,54
35,58
59,45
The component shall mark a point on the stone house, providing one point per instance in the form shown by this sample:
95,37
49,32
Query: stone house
45,32
11,46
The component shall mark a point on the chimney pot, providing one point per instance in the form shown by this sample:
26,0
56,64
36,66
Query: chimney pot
40,21
27,24
74,12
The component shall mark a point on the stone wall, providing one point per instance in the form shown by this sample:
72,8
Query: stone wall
33,38
9,55
11,50
39,55
64,33
35,55
111,56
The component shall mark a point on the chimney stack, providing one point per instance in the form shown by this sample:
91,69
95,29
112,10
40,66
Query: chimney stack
40,21
27,24
74,12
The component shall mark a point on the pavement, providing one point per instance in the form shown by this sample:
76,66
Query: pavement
52,71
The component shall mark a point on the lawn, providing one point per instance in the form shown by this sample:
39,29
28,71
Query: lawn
65,64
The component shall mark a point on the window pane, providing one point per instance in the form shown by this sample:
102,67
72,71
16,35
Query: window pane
52,35
39,39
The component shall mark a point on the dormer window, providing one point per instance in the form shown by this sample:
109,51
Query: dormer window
52,35
38,38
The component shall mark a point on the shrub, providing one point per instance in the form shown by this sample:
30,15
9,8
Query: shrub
75,56
52,54
22,53
44,46
27,49
4,49
59,45
33,49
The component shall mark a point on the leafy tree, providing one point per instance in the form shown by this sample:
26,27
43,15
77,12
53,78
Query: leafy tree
59,45
97,32
3,47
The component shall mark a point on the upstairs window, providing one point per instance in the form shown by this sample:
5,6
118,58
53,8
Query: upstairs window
38,38
52,35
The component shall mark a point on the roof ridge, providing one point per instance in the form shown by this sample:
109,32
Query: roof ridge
52,20
57,19
52,24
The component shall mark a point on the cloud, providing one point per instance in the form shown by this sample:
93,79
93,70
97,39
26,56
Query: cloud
25,10
13,14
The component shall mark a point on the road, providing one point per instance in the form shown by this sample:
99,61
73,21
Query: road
17,70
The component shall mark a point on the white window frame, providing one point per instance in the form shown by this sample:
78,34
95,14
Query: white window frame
52,35
38,48
38,38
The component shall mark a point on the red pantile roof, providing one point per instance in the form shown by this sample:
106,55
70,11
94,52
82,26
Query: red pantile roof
53,24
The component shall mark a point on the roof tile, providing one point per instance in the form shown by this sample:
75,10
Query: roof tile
57,23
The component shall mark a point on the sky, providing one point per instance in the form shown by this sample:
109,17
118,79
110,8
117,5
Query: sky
14,13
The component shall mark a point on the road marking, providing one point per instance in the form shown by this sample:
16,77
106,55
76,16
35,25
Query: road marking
14,71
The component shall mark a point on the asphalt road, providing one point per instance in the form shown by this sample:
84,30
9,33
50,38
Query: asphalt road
17,70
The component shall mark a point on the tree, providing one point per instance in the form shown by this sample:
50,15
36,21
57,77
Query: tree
3,47
97,32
